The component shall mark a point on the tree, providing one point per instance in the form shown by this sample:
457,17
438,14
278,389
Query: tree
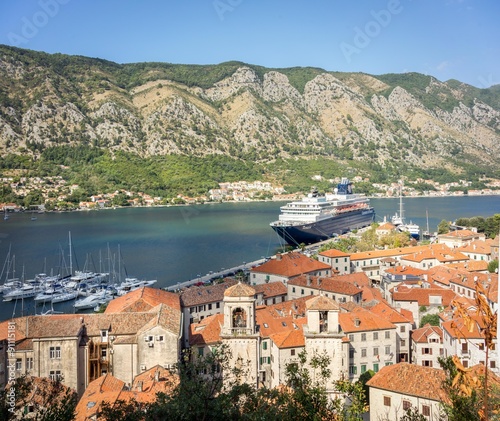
432,319
493,266
443,227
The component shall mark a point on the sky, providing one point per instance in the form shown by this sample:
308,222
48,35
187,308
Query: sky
448,39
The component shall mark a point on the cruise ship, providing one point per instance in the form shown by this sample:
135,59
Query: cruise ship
317,218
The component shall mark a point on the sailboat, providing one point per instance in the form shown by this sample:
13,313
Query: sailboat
399,221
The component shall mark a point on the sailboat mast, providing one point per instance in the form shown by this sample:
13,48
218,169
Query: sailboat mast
70,257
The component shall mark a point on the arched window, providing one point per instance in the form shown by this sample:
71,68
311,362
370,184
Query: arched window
239,318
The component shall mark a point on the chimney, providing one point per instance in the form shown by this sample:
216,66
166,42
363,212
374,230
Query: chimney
308,278
157,375
278,256
139,386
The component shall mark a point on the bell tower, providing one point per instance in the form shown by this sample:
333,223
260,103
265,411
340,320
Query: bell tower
239,333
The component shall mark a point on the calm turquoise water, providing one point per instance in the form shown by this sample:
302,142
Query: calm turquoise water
174,244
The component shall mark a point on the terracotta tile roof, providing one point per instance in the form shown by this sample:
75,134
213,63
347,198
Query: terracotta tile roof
239,290
207,331
322,303
281,317
406,270
143,299
489,281
334,253
111,390
336,284
421,295
461,234
457,328
441,274
104,389
386,226
471,265
386,311
407,379
422,335
290,265
442,256
361,320
272,289
374,254
289,339
371,296
477,246
199,295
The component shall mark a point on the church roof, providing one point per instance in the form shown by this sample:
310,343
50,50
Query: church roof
322,303
239,290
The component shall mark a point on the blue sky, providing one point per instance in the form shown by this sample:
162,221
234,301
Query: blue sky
449,39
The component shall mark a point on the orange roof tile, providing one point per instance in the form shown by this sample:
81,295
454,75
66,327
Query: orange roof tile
143,299
334,284
290,265
334,253
198,295
207,331
289,339
374,254
239,290
385,310
361,320
406,379
422,335
421,295
271,289
322,303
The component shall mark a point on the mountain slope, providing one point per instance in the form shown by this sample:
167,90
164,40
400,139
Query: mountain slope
244,111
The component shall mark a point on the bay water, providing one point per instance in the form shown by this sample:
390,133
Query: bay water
174,244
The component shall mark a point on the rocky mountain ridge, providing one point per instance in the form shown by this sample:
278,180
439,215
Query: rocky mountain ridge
244,111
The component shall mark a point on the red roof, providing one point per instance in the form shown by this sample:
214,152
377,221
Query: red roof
290,265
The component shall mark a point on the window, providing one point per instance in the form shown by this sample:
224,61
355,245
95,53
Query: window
363,352
363,336
292,352
387,334
465,363
403,342
104,353
375,367
426,410
402,329
55,375
217,305
427,351
351,353
351,338
363,368
493,364
465,348
375,351
293,289
19,364
200,352
387,350
264,345
302,291
353,369
210,306
387,401
375,336
29,363
426,363
55,352
406,405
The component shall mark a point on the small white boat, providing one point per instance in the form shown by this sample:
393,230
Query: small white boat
93,299
131,284
64,295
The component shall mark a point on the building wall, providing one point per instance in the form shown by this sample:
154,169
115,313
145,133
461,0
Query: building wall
340,264
427,354
125,362
297,291
63,359
380,410
375,356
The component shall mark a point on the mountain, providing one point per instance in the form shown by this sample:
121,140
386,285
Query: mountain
245,111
